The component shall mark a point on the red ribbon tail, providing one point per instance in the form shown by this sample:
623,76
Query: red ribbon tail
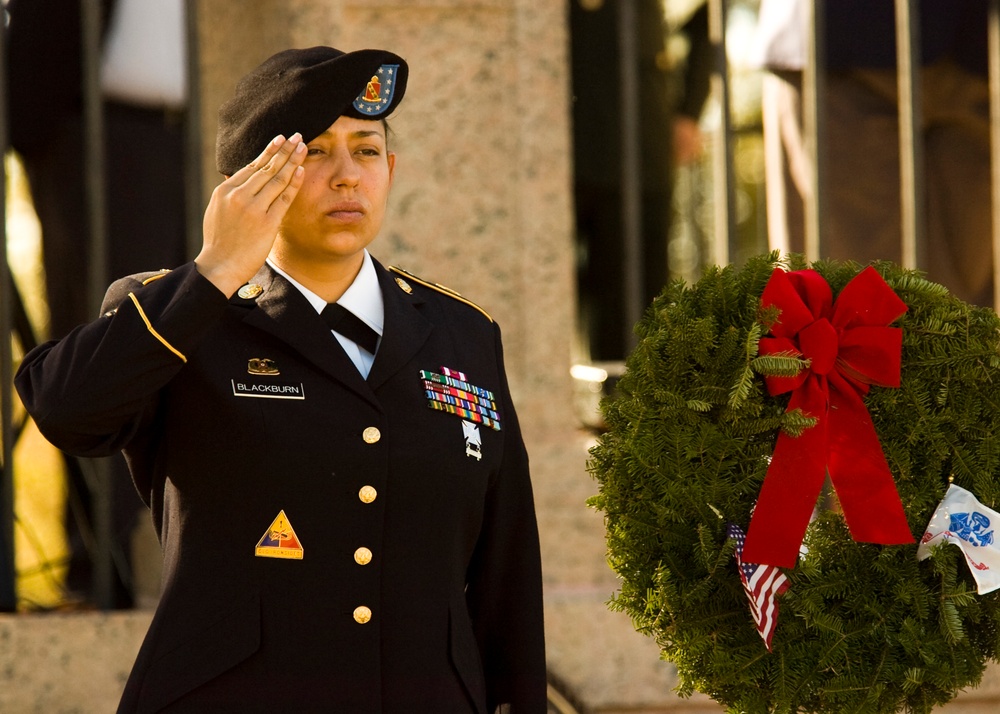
862,479
787,499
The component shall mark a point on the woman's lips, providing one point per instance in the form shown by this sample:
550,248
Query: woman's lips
347,211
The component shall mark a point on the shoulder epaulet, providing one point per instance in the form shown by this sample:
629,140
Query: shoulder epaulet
405,276
120,289
147,278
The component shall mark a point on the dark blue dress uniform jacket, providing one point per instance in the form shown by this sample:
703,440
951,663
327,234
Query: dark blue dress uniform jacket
453,585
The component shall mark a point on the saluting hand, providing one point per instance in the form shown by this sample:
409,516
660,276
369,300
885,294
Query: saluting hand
245,212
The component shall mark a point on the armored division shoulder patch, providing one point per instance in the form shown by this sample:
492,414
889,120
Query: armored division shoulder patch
405,287
279,541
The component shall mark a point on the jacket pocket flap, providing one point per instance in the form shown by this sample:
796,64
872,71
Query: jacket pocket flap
201,658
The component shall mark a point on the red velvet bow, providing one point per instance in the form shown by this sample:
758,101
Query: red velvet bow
849,347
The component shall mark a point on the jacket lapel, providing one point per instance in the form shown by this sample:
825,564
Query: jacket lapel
284,312
404,333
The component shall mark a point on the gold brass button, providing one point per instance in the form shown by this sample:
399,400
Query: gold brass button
362,556
367,494
371,435
362,614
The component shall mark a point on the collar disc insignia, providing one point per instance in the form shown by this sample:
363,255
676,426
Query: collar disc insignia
250,291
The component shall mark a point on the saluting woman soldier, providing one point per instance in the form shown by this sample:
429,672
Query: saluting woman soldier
328,447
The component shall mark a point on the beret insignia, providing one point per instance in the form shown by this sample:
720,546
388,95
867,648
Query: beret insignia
377,94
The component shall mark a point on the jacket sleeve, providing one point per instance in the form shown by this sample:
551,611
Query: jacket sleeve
89,392
504,590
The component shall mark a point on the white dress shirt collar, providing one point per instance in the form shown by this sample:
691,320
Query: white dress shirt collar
363,298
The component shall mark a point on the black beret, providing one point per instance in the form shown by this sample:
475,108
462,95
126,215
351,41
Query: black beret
305,91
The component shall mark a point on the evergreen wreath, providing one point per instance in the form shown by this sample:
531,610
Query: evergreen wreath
862,627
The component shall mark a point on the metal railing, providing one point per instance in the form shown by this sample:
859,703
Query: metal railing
912,164
993,44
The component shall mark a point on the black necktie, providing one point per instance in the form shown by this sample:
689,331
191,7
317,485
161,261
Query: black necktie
342,320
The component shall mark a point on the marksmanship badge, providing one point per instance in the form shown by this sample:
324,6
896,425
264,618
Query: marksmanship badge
473,442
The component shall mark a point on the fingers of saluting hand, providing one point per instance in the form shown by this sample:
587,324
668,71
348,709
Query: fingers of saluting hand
275,174
245,213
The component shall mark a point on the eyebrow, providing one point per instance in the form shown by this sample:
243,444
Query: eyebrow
360,134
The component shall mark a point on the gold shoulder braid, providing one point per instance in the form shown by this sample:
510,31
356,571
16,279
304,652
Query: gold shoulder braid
438,288
156,276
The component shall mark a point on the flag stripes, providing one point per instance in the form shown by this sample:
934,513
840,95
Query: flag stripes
762,584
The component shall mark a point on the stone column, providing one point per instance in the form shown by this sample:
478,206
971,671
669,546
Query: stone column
482,203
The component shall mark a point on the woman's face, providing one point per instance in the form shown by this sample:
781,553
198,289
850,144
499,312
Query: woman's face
340,207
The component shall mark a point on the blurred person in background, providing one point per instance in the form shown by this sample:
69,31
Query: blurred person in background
688,19
862,180
671,93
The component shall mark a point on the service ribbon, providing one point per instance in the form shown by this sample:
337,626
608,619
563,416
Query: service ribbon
849,347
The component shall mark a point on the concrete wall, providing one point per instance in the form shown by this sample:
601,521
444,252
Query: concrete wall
482,203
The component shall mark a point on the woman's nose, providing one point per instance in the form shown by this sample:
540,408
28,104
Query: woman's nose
345,171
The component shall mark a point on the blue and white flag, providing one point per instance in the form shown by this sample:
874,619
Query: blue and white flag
962,520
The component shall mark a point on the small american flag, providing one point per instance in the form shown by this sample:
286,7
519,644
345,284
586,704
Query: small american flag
762,584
